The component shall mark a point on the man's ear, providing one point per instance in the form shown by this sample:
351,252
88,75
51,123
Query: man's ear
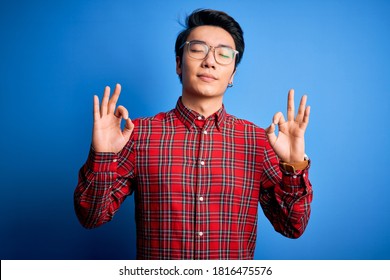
232,76
178,65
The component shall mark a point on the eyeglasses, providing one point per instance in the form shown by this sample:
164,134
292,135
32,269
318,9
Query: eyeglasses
199,50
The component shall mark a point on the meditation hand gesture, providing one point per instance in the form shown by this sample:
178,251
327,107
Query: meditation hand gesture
107,134
289,145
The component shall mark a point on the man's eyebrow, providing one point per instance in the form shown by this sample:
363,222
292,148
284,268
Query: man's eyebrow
226,46
220,45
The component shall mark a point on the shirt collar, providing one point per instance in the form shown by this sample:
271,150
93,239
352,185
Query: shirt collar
188,116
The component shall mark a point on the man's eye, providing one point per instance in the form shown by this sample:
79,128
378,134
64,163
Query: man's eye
196,50
224,55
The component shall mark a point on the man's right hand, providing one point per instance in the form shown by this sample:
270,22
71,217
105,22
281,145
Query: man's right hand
107,135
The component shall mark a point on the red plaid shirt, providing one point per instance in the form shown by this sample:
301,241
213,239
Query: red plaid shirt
197,184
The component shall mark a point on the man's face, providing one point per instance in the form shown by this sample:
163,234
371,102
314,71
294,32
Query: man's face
206,78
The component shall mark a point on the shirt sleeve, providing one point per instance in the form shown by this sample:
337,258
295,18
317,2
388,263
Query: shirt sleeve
285,198
105,180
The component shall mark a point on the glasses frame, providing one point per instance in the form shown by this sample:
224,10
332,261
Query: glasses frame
209,48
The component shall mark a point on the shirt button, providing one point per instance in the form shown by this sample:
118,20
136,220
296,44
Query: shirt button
200,118
200,233
202,162
303,174
114,160
295,176
201,198
205,132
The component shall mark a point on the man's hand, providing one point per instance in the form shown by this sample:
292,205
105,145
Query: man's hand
289,145
107,134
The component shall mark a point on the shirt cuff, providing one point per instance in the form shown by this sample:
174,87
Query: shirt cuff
101,161
294,182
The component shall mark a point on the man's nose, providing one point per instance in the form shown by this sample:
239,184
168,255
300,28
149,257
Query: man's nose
209,60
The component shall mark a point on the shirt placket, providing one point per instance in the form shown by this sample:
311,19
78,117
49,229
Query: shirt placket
203,165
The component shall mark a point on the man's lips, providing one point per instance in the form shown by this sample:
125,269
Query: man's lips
207,77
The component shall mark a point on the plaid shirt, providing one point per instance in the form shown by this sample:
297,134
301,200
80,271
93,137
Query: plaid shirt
197,184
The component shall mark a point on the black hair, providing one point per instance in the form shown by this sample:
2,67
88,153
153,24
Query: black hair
202,17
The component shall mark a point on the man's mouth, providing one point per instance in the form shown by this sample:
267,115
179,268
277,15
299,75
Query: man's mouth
207,77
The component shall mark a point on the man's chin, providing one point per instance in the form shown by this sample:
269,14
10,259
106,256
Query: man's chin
209,91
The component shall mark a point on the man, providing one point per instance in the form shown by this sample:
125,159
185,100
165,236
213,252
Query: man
198,173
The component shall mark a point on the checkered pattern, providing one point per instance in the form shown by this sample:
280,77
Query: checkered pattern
197,185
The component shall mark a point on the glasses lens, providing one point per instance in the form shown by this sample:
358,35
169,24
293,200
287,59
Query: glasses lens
197,50
224,55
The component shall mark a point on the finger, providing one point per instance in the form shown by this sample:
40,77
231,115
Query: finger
121,112
106,95
278,119
290,105
301,109
114,99
306,116
96,110
129,127
271,134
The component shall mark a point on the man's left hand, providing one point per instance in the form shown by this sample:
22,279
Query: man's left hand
289,144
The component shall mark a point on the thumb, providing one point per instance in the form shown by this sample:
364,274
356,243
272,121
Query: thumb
271,134
129,127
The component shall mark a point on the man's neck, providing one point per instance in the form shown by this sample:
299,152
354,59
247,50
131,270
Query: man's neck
205,106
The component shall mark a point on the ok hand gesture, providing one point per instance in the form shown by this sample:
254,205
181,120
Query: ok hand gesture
107,134
289,145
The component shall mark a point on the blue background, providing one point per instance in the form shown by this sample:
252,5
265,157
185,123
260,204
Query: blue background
54,55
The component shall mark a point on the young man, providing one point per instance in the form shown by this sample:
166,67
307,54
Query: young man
198,173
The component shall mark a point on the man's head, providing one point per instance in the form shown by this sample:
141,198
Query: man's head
208,17
208,52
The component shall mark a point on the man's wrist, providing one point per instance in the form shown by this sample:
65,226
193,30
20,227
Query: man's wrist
293,167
